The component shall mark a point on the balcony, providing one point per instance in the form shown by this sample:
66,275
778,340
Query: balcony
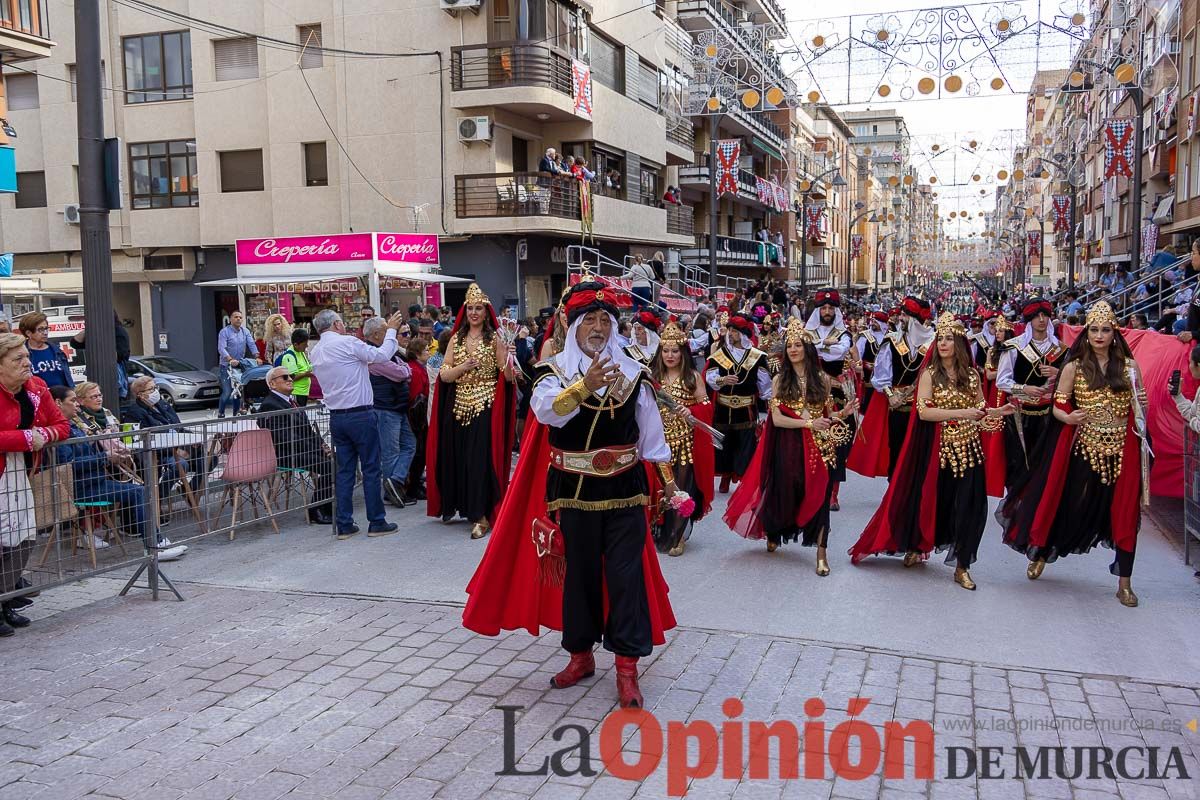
24,29
681,220
702,15
696,177
731,252
533,202
525,77
681,140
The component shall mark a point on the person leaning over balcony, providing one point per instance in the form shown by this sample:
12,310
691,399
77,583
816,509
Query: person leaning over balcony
548,164
29,420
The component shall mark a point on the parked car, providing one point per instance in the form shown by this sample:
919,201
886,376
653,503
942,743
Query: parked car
181,384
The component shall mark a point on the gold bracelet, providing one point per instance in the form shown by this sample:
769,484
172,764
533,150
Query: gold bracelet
665,474
569,398
924,403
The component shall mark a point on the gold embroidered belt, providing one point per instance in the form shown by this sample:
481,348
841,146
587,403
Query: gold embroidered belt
601,463
735,400
1034,411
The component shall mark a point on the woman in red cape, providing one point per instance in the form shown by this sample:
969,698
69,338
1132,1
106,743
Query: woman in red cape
1087,483
937,498
784,495
993,441
510,590
474,412
693,457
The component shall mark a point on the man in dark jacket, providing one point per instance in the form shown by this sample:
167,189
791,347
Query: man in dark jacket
390,389
297,444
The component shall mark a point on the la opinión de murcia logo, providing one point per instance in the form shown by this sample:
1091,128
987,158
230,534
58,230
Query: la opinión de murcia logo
852,750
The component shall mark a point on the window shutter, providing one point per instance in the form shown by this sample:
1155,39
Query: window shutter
236,59
22,91
310,41
648,85
633,178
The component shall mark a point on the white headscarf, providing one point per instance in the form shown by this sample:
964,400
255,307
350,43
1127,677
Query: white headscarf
916,333
814,319
1027,335
651,345
573,362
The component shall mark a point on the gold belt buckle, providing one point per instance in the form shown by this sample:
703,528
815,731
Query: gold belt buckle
734,401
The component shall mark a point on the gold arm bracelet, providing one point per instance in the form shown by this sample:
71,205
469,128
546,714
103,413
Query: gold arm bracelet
569,398
665,474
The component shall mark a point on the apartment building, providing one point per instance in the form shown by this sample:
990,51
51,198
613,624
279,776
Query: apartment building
832,145
882,143
435,124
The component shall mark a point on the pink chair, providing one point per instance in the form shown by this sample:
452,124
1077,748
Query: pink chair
249,464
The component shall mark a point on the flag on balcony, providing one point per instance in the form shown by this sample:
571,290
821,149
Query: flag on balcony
586,218
728,153
881,262
782,200
766,192
812,219
581,88
1118,146
1149,241
1035,243
1169,98
1061,203
856,241
1191,122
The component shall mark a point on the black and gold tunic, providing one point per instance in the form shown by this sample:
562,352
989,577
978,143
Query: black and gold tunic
475,389
1101,437
826,445
962,447
736,407
677,430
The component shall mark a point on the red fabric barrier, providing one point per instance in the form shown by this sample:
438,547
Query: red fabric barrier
1158,355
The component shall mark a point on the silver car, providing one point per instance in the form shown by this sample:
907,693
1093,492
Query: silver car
181,384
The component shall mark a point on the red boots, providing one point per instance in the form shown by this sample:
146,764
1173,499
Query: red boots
581,665
628,693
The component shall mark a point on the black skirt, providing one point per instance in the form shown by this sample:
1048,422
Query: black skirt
737,452
465,477
673,528
961,514
1018,457
785,486
1083,518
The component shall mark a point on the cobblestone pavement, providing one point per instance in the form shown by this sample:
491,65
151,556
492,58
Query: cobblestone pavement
262,694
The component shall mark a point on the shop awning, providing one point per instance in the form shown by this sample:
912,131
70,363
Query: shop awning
422,277
282,277
1165,211
766,148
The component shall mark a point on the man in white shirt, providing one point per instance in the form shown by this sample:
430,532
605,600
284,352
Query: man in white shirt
341,363
833,345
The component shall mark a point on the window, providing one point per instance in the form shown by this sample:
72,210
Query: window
608,63
672,91
158,67
559,25
163,174
22,92
652,185
31,190
502,22
235,59
648,84
310,39
241,171
73,76
316,168
163,262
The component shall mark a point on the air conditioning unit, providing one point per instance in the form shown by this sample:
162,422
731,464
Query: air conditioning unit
475,129
71,213
453,7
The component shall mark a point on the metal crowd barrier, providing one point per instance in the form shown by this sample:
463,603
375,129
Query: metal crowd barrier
130,499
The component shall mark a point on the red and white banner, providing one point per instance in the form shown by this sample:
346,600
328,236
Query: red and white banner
771,194
813,217
1035,243
1149,241
783,200
856,241
1061,204
728,153
1118,146
581,88
1191,118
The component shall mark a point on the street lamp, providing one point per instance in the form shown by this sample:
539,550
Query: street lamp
805,188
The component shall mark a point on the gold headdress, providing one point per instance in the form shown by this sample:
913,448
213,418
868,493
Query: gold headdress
796,332
1002,323
672,334
946,323
475,296
1101,313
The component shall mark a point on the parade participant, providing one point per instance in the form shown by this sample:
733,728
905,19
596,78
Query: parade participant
771,341
1085,487
1027,374
692,453
644,341
982,340
738,377
604,422
834,345
868,344
936,499
994,454
785,493
894,378
471,430
517,585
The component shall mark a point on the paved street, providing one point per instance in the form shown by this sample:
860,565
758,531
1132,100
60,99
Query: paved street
304,667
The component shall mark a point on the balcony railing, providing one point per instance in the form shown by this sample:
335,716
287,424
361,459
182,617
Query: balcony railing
516,194
730,250
681,220
726,21
683,135
504,64
26,16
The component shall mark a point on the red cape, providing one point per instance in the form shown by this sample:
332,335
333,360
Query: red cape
742,512
871,451
994,465
505,593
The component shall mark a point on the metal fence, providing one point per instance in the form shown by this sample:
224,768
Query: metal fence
137,498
